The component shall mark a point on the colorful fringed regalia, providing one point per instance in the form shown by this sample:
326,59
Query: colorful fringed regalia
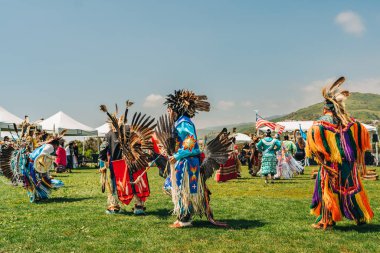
256,157
287,166
23,163
189,173
36,174
231,169
125,155
338,142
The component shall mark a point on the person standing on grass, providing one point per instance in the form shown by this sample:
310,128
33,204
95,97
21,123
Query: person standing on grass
287,166
338,143
229,170
60,160
75,155
69,157
186,182
255,157
268,146
124,157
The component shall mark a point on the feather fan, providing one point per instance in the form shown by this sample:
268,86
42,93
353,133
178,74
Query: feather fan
135,139
217,153
165,133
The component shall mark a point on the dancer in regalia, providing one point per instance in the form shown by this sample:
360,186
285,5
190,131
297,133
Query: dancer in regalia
231,169
338,142
256,156
23,163
287,166
125,154
178,136
36,175
268,146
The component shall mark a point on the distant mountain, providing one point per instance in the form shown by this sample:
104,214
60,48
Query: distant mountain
274,117
213,131
362,106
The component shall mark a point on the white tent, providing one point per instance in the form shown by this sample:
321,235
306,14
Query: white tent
370,128
242,138
7,120
60,121
103,129
290,126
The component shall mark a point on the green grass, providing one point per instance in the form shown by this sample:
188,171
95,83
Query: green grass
273,218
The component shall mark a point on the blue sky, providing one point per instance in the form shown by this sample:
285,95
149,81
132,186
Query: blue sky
73,55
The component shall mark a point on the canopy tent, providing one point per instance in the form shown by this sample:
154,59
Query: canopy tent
7,120
103,129
291,126
61,121
242,138
370,128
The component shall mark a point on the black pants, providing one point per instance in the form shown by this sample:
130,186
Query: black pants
69,159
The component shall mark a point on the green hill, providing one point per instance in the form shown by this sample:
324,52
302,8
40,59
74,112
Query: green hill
362,106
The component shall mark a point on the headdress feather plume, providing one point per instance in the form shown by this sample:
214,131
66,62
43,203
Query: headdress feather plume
135,139
187,102
335,100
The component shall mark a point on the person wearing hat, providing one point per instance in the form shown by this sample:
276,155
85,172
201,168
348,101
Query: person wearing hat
268,146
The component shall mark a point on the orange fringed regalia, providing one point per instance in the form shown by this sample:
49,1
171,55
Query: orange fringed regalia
340,152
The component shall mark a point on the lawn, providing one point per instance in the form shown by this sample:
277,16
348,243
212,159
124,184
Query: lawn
262,218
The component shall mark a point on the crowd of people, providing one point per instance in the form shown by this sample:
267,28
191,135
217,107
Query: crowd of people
336,142
266,156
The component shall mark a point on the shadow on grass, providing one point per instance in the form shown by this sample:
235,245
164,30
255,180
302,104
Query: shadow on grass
304,179
238,224
368,228
160,213
243,179
60,175
62,200
286,182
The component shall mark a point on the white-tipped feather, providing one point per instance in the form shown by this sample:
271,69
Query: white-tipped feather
337,97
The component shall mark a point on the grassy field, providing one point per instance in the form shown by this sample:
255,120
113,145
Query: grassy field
273,218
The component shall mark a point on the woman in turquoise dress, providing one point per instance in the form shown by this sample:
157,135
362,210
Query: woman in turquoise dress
269,146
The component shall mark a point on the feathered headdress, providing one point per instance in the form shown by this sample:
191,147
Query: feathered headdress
185,102
335,100
56,137
135,138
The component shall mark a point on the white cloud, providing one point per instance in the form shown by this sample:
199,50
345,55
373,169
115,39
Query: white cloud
226,105
153,100
350,22
370,85
312,93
